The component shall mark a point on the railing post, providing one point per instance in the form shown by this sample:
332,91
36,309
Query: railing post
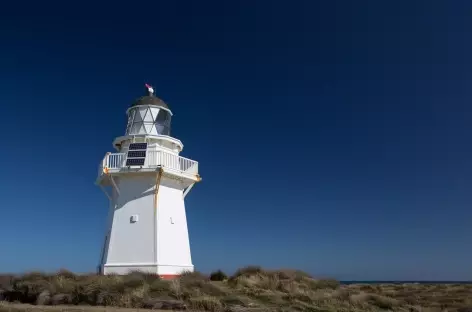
106,160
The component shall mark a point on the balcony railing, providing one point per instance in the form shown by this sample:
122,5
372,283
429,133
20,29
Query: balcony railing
153,160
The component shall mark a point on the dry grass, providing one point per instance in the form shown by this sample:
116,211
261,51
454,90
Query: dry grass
249,289
13,307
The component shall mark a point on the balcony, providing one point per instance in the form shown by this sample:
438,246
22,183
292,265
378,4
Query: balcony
170,163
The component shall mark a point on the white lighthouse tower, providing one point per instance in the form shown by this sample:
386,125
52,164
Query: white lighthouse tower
146,183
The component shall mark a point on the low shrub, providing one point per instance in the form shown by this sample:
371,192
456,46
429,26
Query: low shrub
218,276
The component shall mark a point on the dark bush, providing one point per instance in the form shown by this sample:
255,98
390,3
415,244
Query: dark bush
218,276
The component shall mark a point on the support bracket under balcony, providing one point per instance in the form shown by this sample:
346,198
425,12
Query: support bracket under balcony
114,184
188,189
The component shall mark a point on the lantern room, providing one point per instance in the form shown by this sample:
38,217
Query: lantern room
149,115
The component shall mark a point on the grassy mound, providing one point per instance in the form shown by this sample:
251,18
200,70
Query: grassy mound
249,289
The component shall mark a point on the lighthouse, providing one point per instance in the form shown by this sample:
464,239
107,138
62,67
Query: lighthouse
146,182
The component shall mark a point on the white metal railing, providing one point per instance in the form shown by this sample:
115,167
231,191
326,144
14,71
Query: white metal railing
153,160
168,160
116,160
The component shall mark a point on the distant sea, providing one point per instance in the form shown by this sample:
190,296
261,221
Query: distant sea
405,282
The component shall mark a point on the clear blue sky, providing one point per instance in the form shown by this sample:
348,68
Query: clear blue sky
333,136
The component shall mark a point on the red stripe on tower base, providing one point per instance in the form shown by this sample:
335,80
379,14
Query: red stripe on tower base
168,276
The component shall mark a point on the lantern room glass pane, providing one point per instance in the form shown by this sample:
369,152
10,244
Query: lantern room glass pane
163,122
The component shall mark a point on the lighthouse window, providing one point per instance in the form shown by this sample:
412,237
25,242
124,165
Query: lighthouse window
163,122
163,117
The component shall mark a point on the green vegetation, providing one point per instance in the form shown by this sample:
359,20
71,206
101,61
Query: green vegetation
249,289
218,276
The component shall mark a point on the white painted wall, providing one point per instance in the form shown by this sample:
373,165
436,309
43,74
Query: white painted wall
173,240
133,242
158,242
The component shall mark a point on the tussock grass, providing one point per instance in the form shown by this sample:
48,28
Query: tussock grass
206,303
248,289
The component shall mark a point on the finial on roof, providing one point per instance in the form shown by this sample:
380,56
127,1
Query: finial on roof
150,89
149,98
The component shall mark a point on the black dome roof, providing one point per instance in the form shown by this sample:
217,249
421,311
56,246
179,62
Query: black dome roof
150,100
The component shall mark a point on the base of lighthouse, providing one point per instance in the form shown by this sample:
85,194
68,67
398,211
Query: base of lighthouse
163,271
147,226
